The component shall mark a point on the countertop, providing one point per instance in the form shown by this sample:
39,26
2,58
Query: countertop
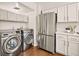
66,33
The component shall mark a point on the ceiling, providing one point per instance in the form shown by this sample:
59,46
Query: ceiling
51,5
30,6
10,7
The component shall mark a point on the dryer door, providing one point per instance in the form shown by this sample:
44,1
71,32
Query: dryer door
28,39
12,44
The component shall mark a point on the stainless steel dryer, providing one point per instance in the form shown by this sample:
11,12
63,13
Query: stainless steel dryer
28,39
10,44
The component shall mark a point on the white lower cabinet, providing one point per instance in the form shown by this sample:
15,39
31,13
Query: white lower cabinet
73,46
73,49
61,44
67,44
60,48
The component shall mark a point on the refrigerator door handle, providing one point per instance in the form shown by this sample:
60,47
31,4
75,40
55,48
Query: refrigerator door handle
46,34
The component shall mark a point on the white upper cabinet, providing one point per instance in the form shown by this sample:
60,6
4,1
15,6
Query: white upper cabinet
78,11
72,13
22,18
3,14
65,14
11,16
26,19
68,13
62,14
19,17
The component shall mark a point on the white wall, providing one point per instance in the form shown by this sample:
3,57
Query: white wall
33,21
32,24
61,26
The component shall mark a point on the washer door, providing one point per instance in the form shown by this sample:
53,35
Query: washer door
12,44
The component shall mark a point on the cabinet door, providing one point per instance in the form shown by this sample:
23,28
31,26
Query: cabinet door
19,17
3,14
65,14
72,12
22,18
26,19
11,16
60,44
73,48
60,15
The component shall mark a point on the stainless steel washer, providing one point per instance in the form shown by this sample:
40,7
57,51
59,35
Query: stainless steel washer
10,44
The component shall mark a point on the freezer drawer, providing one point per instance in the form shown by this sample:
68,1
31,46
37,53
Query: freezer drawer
50,44
47,43
42,42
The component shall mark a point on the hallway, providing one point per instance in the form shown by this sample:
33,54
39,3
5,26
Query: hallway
34,51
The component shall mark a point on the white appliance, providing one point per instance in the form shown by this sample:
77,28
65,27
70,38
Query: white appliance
47,28
10,43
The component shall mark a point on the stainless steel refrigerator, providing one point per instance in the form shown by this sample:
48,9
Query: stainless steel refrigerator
47,29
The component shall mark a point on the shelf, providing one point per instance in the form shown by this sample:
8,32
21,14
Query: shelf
13,21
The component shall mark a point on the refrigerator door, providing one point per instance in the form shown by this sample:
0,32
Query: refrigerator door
40,23
47,31
44,19
50,43
51,23
42,42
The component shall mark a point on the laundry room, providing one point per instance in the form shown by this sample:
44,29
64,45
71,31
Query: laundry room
39,28
14,28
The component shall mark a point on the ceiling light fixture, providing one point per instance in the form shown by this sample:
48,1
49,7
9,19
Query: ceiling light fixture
17,6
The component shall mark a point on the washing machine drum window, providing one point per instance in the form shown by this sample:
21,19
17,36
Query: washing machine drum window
28,39
12,44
